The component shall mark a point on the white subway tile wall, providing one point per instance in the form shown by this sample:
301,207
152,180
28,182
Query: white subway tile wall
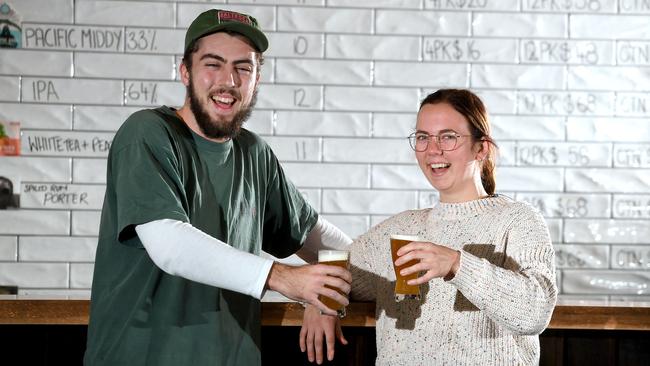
58,11
9,88
32,62
8,248
44,116
85,223
57,249
565,84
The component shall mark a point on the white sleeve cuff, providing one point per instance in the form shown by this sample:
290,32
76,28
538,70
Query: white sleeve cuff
324,235
180,249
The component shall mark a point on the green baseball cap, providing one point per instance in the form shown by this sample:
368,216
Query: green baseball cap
215,20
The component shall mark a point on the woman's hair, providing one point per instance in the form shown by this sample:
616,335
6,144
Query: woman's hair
472,108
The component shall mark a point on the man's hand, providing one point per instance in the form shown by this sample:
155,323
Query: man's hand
314,326
305,283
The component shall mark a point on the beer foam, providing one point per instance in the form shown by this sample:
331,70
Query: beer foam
406,237
332,255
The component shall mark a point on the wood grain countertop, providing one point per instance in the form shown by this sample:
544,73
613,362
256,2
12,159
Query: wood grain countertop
577,315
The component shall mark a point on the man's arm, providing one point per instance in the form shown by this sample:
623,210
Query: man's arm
323,235
180,249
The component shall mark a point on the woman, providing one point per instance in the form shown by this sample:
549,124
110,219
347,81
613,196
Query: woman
486,261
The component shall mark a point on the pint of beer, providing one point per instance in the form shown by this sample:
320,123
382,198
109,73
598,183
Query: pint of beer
402,289
333,258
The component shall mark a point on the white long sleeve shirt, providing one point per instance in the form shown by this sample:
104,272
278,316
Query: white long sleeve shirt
180,249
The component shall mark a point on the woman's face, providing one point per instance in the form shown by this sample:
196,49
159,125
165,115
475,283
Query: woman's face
455,173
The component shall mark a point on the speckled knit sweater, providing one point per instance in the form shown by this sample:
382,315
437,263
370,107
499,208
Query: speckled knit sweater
490,313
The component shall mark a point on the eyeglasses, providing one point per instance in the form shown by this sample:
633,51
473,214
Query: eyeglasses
446,141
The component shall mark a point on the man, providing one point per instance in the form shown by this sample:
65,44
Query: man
191,200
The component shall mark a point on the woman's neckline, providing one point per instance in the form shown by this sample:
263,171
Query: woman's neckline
472,207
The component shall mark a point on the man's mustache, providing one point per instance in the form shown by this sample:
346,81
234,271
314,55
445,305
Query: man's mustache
226,90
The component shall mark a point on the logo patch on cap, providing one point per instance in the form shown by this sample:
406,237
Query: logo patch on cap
231,16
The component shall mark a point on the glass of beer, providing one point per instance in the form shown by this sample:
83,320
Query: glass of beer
334,258
402,289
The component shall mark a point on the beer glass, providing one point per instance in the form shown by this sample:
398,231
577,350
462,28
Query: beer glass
333,258
402,289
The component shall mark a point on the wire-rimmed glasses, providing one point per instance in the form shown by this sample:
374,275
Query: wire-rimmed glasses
446,141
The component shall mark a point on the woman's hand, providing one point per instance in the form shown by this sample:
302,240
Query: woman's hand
432,259
314,327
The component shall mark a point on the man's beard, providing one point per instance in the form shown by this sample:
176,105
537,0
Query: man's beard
220,128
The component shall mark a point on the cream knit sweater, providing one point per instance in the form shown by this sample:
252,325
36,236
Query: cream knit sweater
490,313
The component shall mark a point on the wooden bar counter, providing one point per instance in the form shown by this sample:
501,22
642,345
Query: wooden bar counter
53,331
578,315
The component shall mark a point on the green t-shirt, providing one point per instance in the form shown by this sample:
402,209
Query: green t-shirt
234,191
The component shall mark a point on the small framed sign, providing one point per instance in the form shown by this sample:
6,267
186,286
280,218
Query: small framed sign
10,27
9,138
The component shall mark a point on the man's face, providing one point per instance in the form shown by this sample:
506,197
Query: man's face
222,84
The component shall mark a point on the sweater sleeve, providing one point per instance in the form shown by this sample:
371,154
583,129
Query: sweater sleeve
364,286
521,295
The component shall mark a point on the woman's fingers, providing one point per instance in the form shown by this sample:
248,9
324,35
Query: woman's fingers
430,259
